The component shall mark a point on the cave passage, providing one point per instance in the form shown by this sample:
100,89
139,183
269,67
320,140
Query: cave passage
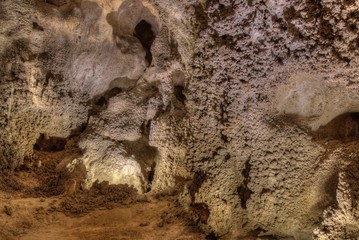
143,31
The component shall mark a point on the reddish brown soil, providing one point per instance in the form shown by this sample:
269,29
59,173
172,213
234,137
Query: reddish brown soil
38,218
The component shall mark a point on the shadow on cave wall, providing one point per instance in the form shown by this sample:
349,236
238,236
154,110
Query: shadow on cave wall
344,127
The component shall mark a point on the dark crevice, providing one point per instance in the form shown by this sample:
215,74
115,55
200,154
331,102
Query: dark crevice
212,236
145,128
144,154
201,212
144,33
257,231
113,92
178,92
57,3
348,171
224,138
100,102
243,191
49,144
198,179
344,128
36,26
151,173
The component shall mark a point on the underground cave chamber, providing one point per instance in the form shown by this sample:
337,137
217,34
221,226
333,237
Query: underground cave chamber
159,119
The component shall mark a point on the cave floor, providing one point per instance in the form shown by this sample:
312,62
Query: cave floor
39,218
45,201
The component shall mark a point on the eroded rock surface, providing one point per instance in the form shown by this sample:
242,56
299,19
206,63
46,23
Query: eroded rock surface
247,108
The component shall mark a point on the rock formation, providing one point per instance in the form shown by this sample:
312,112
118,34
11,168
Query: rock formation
249,108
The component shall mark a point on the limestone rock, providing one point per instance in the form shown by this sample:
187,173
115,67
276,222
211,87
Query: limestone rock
247,107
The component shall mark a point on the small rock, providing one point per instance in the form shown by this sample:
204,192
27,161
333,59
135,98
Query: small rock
145,224
8,210
104,187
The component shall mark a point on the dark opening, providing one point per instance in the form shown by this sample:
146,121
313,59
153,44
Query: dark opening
345,128
201,211
144,154
144,33
113,92
145,128
245,194
101,101
36,26
243,191
57,3
211,236
151,174
198,179
49,144
178,91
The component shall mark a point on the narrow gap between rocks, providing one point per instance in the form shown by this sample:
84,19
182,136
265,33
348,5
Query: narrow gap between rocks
143,31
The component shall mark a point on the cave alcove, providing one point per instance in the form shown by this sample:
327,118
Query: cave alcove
144,33
344,127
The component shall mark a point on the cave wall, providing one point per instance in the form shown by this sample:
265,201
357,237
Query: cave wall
236,102
271,73
102,70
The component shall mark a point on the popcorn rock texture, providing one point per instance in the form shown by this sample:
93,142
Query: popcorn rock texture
249,108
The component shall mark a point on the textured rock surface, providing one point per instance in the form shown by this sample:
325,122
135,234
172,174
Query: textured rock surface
250,106
266,175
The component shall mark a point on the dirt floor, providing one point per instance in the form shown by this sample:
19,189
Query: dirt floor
42,200
37,218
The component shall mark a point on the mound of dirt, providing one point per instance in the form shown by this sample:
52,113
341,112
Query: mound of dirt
100,196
